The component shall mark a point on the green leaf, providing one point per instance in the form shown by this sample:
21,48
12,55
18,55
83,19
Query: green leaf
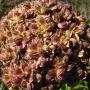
88,22
81,85
65,87
3,86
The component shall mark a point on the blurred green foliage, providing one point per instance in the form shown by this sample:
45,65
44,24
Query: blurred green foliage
3,86
80,85
88,22
6,5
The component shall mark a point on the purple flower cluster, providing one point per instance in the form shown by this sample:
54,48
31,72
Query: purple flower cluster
43,43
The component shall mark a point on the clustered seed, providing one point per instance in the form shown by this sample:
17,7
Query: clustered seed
43,43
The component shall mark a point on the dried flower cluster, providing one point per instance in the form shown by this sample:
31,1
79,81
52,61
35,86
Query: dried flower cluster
42,44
